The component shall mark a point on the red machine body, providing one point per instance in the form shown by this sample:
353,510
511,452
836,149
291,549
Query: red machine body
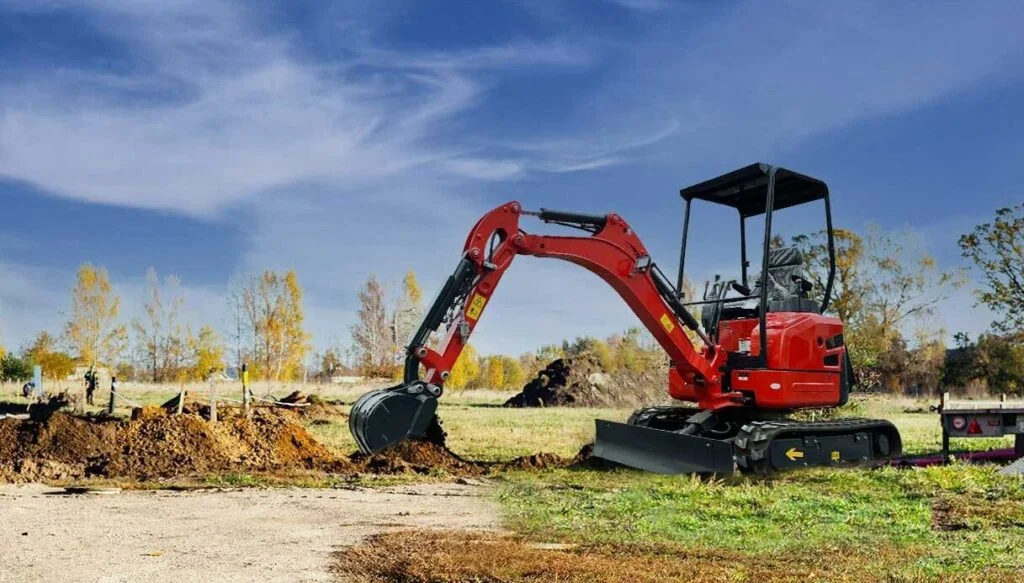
752,358
802,370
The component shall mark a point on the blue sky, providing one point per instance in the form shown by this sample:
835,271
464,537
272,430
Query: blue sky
211,138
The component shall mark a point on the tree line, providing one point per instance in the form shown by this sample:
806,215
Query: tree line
159,345
886,291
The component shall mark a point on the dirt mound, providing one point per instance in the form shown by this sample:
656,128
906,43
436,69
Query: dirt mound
538,461
581,381
412,456
157,445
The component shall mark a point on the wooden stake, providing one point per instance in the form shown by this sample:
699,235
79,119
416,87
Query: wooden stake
181,400
245,388
213,400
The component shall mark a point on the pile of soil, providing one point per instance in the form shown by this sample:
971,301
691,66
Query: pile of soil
157,445
581,381
414,456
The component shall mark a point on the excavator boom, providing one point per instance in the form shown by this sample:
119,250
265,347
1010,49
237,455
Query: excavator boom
612,251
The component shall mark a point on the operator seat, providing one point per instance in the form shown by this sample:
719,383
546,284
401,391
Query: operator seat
787,282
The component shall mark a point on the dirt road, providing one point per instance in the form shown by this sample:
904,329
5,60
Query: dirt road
238,535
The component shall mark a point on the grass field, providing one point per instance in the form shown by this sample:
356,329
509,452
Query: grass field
955,522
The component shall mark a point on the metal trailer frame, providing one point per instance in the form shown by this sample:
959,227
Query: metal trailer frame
965,419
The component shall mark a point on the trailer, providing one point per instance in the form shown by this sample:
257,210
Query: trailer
964,419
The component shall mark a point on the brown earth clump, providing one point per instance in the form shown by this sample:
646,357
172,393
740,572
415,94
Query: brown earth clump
414,456
538,461
157,445
581,381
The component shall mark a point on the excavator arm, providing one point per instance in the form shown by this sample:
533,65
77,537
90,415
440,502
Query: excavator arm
612,251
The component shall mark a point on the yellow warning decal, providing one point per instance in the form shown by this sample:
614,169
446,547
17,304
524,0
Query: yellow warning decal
794,454
476,305
835,456
666,323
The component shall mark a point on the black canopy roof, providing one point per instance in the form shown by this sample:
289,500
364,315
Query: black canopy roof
746,189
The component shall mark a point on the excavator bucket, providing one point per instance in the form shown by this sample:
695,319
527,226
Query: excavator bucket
662,452
384,417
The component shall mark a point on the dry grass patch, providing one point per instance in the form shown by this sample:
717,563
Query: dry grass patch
447,557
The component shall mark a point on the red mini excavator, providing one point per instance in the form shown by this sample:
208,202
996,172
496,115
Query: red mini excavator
761,349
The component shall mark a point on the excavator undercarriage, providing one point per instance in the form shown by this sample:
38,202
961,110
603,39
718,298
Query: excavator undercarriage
754,358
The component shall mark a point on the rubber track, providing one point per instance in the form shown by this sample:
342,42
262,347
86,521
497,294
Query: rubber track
754,439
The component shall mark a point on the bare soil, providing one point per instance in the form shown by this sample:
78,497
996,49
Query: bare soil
450,557
236,535
156,445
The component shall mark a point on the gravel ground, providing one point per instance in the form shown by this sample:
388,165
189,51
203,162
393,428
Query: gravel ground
232,535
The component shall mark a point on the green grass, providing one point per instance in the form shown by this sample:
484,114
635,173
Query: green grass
794,512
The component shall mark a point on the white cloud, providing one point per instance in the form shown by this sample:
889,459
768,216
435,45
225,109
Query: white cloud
368,163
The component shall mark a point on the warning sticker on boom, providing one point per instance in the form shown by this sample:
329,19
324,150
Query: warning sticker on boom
666,323
476,305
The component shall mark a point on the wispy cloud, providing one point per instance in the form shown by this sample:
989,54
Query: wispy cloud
372,160
233,113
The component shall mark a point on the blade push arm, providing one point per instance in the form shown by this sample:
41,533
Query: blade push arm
613,252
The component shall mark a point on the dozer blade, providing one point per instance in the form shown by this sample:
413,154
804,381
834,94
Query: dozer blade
662,452
386,416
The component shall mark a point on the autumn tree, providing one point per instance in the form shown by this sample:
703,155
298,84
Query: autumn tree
162,338
495,372
92,330
465,370
849,287
330,364
272,319
997,250
207,353
372,334
905,282
512,373
43,351
406,315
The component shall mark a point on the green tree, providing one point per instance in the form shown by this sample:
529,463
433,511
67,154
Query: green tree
997,250
13,368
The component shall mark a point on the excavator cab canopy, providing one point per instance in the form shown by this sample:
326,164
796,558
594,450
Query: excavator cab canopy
755,190
746,189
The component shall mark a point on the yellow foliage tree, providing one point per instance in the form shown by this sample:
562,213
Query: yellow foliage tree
55,364
466,369
512,373
92,330
272,314
495,378
207,353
